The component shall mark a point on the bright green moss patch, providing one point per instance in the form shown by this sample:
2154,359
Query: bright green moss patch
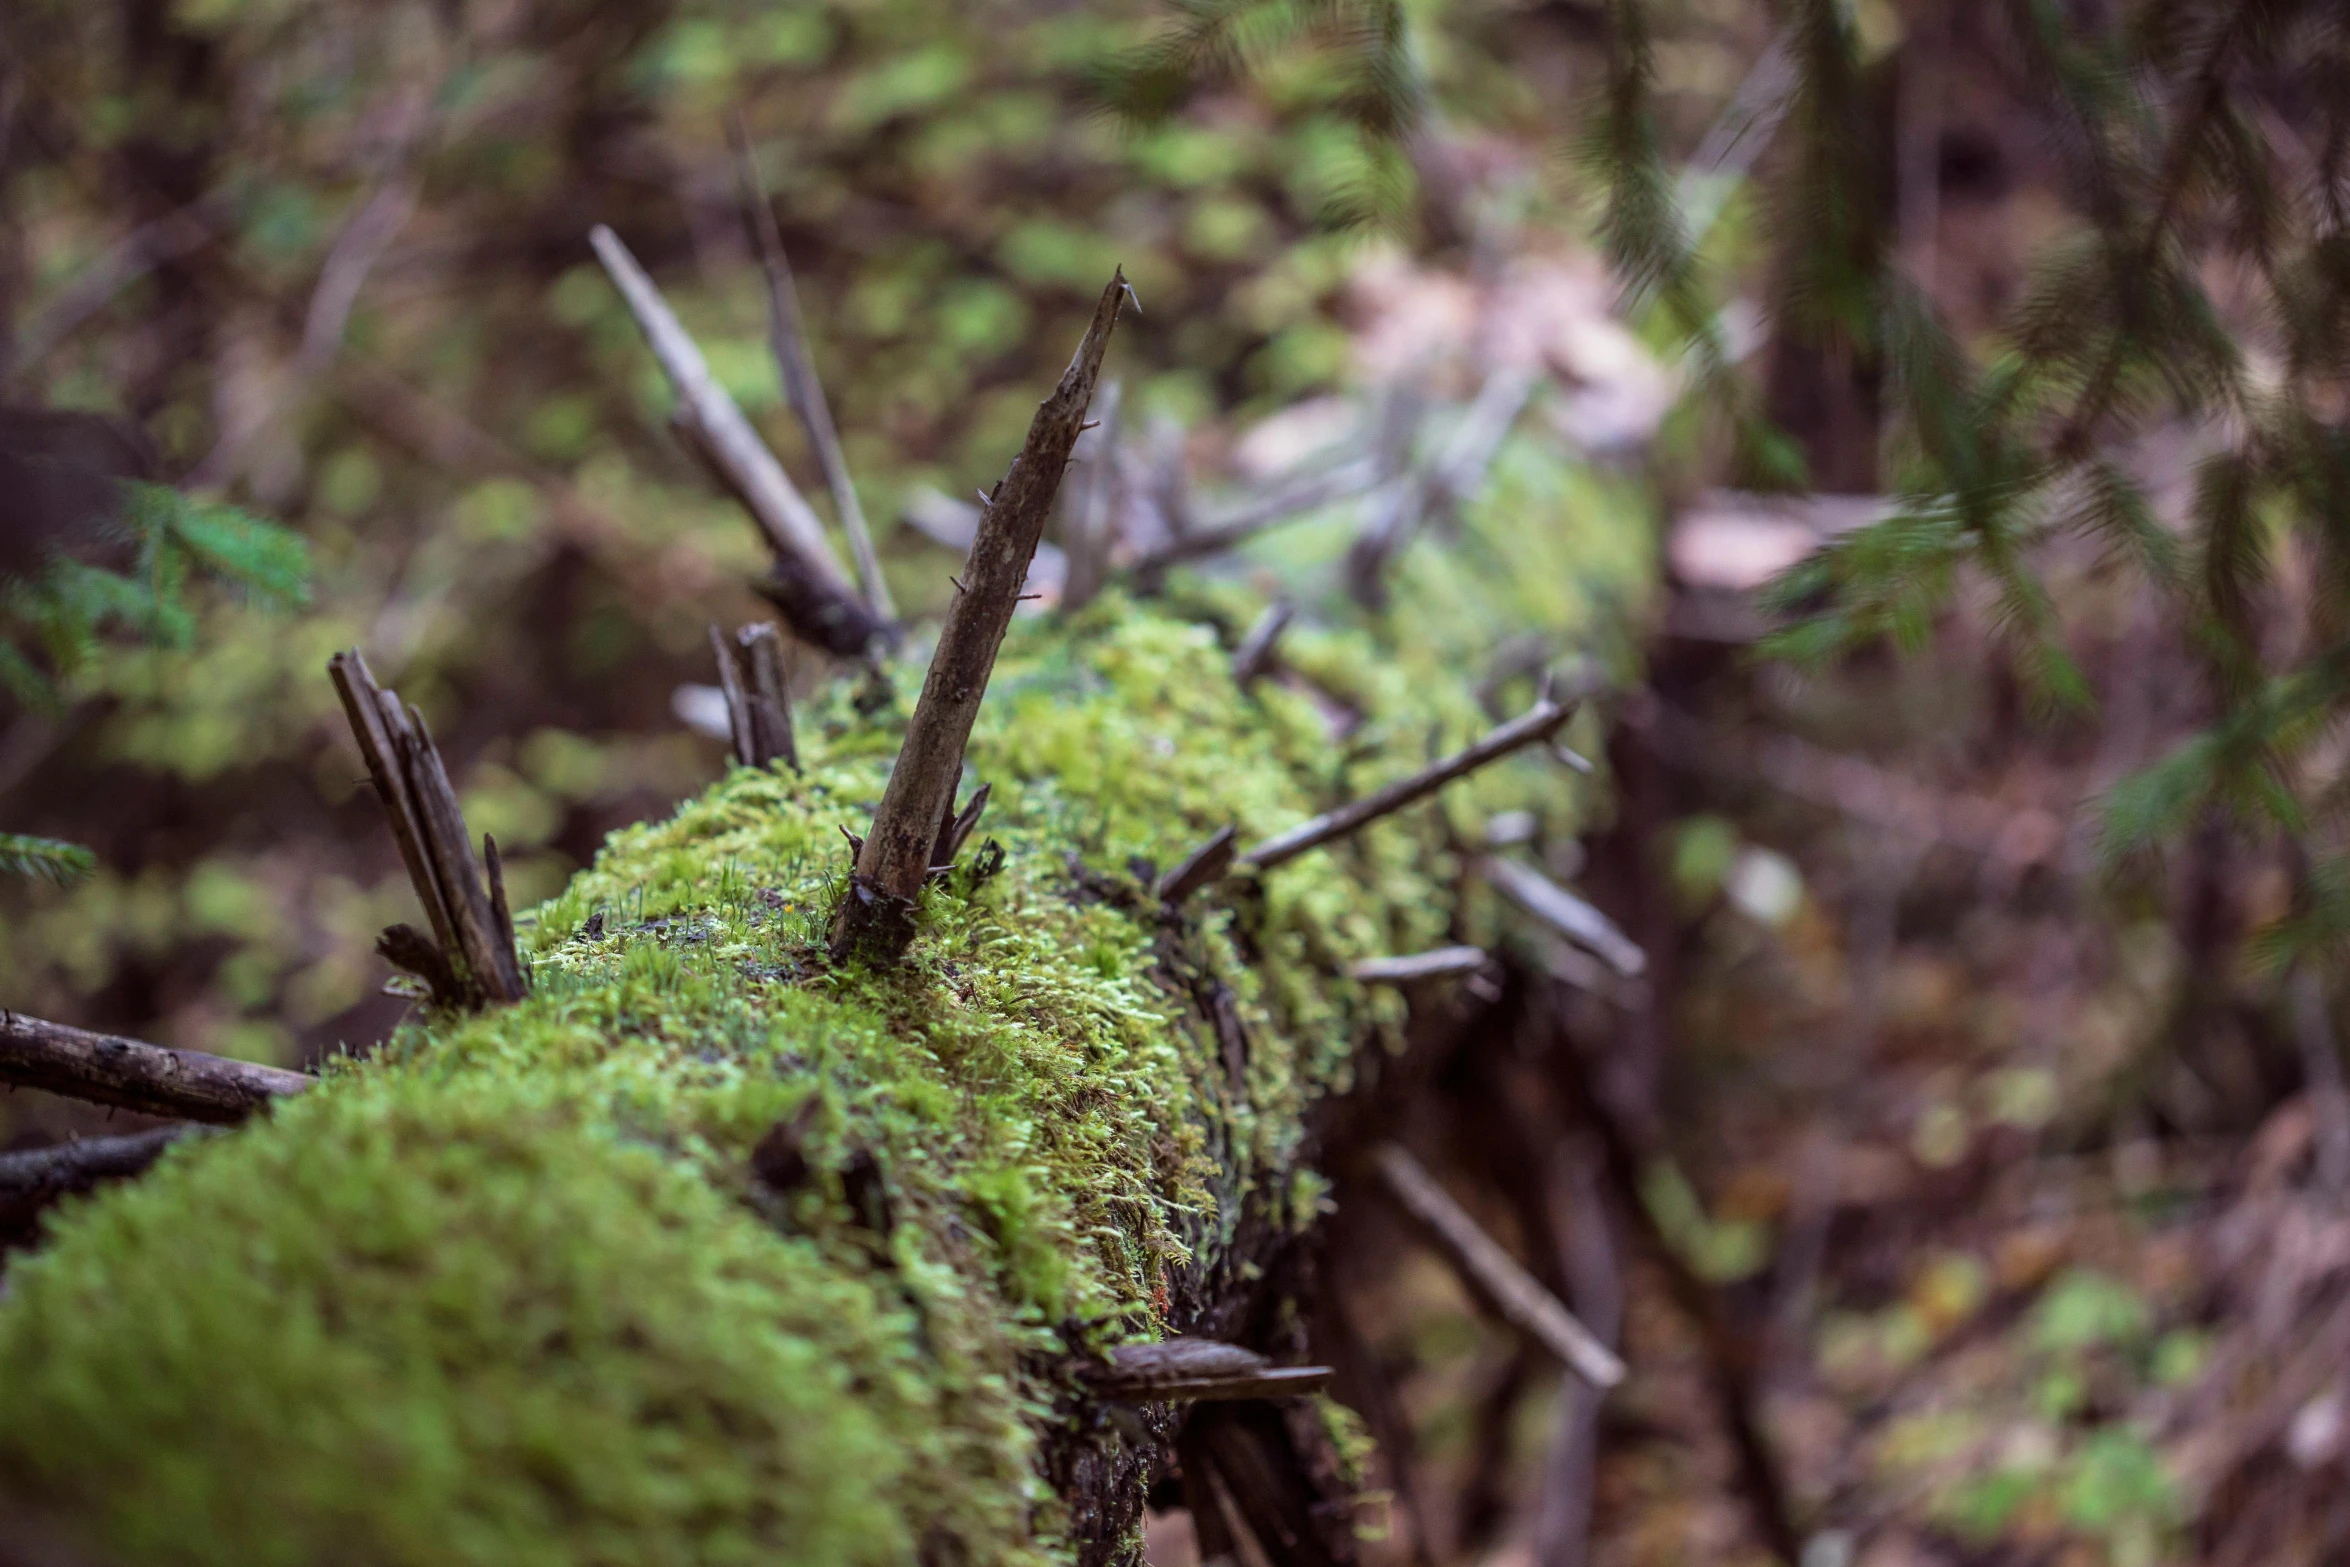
512,1292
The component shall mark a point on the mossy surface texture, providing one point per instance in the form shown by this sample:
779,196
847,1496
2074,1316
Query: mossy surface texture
511,1292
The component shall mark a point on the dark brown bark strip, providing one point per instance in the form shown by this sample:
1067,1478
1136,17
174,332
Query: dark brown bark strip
1198,1370
1537,724
1491,1272
787,336
876,917
36,1178
106,1069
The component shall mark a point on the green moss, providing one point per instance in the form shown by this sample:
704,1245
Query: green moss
510,1292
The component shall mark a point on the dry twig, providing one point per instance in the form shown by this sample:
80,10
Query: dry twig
1491,1272
1259,648
787,335
34,1179
1422,965
1537,724
809,585
1565,913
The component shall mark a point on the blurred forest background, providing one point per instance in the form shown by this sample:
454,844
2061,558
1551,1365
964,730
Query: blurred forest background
1997,1174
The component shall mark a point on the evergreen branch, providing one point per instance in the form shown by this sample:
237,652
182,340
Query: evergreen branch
45,859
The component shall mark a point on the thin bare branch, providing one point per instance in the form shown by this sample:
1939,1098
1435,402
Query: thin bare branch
106,1069
787,335
876,918
1456,475
1492,1272
1435,964
723,438
1537,724
1565,913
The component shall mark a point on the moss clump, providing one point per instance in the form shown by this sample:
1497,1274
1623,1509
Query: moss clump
513,1292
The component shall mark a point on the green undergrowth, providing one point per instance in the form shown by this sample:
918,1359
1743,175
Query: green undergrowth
514,1290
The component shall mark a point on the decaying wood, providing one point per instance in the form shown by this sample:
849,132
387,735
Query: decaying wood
36,1178
1565,913
128,1074
475,940
1434,964
1261,646
758,701
876,918
809,586
1198,1370
787,336
1537,724
1491,1272
1203,865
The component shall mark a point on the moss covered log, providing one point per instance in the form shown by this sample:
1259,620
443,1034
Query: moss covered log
715,1249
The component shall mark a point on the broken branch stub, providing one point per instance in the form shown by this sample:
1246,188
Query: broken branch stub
758,701
130,1074
465,907
876,918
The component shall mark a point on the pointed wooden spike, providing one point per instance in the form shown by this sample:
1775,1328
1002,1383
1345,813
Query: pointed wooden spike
787,337
374,719
738,701
876,920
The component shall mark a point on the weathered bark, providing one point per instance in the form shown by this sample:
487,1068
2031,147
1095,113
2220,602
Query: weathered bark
129,1075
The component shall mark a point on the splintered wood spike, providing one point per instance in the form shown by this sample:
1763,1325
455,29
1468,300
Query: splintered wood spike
466,907
875,920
